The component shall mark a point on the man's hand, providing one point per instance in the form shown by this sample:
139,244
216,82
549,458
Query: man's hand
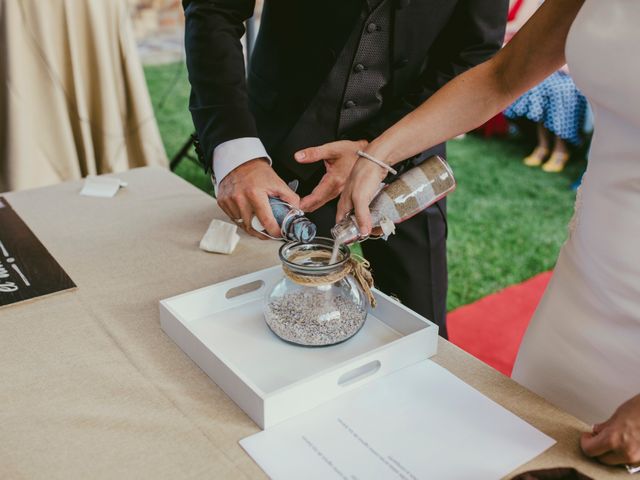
244,193
616,441
339,158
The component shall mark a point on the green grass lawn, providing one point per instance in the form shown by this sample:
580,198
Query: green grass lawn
506,221
169,89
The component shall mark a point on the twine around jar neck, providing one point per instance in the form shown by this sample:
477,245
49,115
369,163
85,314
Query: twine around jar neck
358,267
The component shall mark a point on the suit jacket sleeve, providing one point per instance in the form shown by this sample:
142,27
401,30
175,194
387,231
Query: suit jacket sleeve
474,34
215,60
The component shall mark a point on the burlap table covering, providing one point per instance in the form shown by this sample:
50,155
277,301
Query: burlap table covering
73,98
92,387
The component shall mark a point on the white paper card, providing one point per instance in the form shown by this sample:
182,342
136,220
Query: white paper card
101,186
220,237
419,423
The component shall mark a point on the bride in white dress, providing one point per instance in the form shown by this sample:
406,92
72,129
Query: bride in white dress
582,348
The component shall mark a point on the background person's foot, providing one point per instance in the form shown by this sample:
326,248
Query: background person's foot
556,162
536,158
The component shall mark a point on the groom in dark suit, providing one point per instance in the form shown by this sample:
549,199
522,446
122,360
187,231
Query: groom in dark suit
321,71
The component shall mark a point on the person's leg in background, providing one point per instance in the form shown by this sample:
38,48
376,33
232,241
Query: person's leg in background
541,151
559,157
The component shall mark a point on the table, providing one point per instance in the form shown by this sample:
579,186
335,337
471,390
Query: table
73,98
92,387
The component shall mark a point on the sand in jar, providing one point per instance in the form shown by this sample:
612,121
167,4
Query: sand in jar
317,304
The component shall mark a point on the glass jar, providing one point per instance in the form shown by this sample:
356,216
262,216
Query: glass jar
315,303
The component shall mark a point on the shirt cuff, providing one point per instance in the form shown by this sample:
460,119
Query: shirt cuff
231,154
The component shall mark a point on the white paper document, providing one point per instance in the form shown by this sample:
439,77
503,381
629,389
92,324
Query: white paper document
419,423
104,187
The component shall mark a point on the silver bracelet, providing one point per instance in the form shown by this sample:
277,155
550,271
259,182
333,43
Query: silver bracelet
380,163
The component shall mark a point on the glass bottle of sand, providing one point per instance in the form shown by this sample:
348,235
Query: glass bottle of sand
412,192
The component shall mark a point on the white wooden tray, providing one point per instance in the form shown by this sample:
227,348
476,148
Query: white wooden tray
222,329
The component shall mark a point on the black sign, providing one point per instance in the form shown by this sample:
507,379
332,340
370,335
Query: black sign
27,269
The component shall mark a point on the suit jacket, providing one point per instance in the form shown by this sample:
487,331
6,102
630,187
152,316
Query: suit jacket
298,43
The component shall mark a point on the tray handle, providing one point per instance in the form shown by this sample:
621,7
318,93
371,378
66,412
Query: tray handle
359,373
243,289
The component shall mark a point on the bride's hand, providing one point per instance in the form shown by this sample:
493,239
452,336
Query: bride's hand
361,187
616,441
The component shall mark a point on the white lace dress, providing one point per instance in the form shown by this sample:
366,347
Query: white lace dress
582,348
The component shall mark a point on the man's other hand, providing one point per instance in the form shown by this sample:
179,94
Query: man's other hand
245,192
339,158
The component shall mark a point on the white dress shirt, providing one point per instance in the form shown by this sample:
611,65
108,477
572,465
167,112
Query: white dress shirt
231,154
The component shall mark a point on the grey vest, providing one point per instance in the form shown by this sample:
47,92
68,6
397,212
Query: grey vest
350,94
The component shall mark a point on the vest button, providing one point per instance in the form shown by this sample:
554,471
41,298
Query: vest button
359,68
372,27
349,104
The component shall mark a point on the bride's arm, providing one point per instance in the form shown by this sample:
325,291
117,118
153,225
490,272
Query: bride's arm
477,95
467,101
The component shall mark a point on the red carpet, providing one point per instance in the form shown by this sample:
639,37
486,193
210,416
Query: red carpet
491,328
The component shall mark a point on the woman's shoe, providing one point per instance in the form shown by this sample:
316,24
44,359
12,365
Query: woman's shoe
556,162
537,157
